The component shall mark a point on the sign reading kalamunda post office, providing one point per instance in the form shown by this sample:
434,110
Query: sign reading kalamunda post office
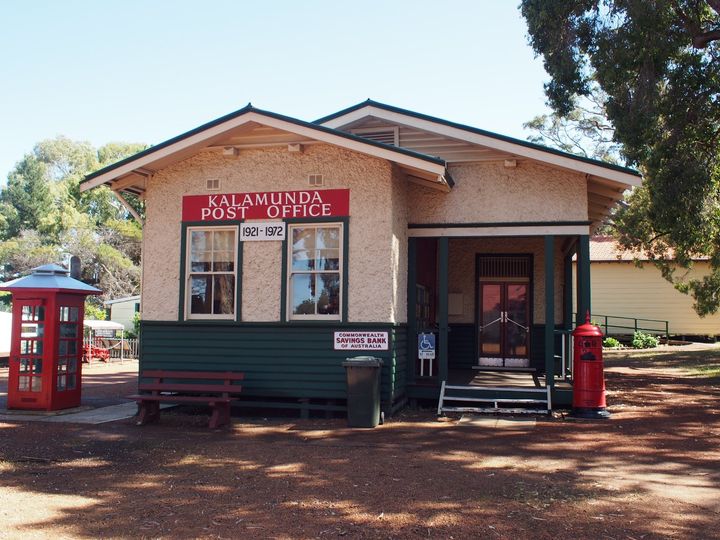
361,341
267,205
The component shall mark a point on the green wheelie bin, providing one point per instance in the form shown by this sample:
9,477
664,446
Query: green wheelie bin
363,391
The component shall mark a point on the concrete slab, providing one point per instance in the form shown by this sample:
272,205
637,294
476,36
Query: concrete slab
497,423
84,416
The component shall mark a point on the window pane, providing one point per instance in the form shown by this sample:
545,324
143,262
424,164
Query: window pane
37,366
36,384
61,382
328,237
61,365
224,295
72,347
23,383
64,313
40,313
24,365
329,295
302,294
74,314
224,241
200,251
328,259
303,248
62,347
72,365
224,261
200,294
71,382
27,313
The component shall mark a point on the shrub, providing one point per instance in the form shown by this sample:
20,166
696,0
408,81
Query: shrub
611,343
641,340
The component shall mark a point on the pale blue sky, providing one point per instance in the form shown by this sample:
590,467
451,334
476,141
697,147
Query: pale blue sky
142,71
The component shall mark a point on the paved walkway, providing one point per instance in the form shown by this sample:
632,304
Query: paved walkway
104,387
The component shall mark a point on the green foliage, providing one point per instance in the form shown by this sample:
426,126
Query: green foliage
659,65
44,217
611,343
642,340
135,332
94,311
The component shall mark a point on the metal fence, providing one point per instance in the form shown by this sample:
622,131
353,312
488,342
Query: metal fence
614,325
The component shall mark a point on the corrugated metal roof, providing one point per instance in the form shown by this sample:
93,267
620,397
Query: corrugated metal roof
606,249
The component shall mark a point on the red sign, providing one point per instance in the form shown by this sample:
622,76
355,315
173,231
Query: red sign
267,205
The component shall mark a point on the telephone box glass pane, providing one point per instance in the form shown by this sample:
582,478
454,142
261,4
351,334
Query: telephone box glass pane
71,382
61,382
40,313
27,313
62,347
61,365
68,330
37,366
24,365
74,314
36,384
24,383
72,365
64,313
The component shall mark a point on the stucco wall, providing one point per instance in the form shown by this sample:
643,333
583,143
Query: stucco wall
489,192
376,241
462,272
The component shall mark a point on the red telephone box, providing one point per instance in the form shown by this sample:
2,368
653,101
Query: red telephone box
588,376
46,343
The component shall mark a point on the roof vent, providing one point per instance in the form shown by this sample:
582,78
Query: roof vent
316,180
385,135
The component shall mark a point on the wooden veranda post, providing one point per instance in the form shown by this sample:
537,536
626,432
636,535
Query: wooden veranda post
442,346
550,311
411,309
583,278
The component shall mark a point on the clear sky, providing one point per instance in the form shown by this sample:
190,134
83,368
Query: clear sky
142,71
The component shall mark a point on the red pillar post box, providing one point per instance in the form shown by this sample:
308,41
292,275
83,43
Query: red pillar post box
588,376
46,343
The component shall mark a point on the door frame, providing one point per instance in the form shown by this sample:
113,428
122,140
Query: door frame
531,295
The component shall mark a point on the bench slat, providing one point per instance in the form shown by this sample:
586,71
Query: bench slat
207,375
187,387
181,399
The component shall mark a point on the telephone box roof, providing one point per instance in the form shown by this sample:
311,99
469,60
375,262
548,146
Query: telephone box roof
49,277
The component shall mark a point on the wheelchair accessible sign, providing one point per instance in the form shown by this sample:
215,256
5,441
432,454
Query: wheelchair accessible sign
426,346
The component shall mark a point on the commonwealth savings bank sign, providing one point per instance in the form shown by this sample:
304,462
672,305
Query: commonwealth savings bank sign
267,205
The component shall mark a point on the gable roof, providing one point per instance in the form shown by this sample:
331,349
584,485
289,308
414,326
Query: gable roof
196,139
617,173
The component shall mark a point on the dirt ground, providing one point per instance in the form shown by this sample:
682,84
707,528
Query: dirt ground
652,471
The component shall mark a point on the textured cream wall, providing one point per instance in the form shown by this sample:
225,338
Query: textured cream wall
462,272
489,192
375,256
624,290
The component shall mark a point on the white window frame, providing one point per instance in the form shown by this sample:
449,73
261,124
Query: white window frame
189,273
289,273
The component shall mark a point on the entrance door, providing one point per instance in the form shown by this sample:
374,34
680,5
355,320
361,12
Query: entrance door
503,324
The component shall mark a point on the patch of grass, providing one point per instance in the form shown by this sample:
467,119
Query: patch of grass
710,371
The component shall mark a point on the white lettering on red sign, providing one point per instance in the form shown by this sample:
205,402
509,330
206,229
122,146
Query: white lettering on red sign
267,205
361,341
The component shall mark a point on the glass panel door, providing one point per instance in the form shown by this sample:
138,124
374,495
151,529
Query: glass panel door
490,324
503,324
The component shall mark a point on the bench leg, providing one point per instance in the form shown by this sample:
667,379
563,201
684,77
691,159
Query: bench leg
220,415
149,411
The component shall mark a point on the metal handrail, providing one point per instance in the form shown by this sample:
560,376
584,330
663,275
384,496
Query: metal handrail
606,325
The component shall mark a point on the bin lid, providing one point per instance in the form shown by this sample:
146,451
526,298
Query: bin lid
363,361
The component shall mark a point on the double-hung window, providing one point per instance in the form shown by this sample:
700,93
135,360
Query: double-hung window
315,271
211,272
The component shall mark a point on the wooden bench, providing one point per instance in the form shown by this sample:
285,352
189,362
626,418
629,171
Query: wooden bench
211,387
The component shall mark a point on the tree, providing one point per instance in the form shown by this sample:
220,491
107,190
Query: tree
659,64
44,217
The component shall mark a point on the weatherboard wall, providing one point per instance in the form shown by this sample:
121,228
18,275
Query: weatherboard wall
280,360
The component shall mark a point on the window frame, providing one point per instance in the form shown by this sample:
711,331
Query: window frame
286,301
187,273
